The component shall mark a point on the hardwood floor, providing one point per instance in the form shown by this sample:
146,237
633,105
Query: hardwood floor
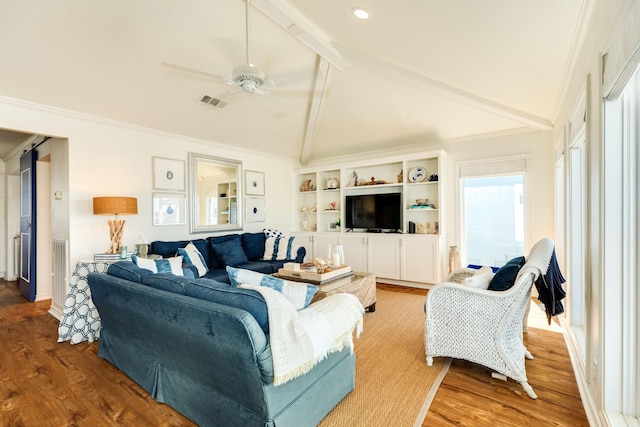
46,383
469,396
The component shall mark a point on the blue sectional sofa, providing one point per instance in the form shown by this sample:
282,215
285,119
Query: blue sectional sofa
202,347
244,250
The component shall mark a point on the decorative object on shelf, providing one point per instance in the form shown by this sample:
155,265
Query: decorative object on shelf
433,177
422,204
169,209
254,183
254,209
400,177
420,228
307,186
353,181
333,184
436,228
332,206
334,226
417,174
168,174
113,205
428,227
310,208
454,258
305,225
372,181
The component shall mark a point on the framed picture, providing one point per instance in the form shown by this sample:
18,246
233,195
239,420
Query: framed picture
254,183
169,209
168,174
254,209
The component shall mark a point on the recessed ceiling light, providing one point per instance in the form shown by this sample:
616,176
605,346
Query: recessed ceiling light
360,13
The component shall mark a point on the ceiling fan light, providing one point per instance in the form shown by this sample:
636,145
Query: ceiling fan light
360,13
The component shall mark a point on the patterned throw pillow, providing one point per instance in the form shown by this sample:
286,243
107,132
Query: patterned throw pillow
278,248
270,232
192,255
299,294
161,265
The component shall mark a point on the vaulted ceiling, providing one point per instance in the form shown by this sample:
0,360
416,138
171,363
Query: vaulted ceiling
415,72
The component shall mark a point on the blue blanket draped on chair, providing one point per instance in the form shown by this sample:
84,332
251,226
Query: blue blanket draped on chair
550,291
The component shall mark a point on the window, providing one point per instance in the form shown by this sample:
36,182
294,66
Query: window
493,211
494,219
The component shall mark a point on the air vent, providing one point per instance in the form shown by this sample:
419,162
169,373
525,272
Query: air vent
212,101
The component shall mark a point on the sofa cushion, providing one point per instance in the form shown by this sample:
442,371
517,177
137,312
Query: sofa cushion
253,244
167,282
505,277
299,294
230,252
191,255
161,265
278,248
220,293
127,270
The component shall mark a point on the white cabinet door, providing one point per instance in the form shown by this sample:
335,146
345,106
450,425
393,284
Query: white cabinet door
321,244
355,251
420,258
384,256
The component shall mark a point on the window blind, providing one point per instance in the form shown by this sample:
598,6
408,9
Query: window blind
492,168
621,59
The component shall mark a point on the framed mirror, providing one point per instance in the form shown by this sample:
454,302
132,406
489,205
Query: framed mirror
215,186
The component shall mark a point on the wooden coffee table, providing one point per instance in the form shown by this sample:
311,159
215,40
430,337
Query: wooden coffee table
362,285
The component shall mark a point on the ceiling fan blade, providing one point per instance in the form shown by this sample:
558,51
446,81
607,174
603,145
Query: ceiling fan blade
193,70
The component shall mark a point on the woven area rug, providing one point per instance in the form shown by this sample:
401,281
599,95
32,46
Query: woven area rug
394,385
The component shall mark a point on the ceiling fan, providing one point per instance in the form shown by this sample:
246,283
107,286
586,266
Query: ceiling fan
246,78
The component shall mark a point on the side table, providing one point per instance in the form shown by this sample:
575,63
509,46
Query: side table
80,318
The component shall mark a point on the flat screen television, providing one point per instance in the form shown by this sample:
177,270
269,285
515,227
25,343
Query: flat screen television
374,212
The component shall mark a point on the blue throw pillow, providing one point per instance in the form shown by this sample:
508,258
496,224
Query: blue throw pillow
505,277
298,294
253,245
230,252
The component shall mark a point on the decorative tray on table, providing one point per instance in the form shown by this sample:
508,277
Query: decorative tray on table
308,273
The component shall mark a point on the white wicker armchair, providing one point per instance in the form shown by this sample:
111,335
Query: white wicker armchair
484,326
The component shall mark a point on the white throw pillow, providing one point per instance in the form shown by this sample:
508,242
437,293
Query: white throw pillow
161,265
278,248
480,278
192,255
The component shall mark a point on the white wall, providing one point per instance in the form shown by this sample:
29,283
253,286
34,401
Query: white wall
108,158
537,148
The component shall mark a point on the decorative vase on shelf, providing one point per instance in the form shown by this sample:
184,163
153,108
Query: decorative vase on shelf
454,258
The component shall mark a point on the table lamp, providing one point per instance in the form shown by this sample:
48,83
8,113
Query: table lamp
115,206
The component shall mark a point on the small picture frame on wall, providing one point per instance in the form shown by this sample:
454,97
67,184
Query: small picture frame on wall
254,209
253,183
168,174
169,209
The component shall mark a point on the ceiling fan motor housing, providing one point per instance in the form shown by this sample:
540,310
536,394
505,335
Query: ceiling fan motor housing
248,77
